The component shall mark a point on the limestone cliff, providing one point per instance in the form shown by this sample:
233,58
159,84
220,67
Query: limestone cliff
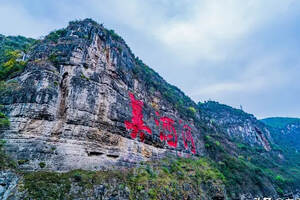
81,102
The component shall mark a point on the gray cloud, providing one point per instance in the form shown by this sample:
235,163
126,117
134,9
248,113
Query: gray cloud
236,52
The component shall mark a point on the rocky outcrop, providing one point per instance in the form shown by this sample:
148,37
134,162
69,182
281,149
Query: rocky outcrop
237,124
8,184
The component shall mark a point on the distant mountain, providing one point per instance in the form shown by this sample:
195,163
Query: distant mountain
286,131
280,122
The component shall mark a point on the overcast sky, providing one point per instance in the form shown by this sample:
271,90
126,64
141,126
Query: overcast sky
237,52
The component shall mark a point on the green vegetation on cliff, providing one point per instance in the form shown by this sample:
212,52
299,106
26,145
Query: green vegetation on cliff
167,179
4,122
154,82
5,161
12,43
243,165
12,48
218,111
11,66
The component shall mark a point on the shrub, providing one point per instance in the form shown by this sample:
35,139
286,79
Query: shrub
4,121
241,146
22,162
55,83
77,177
55,35
114,35
84,77
280,180
192,109
42,164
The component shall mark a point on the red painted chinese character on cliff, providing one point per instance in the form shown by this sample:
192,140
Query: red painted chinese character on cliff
167,125
137,125
187,136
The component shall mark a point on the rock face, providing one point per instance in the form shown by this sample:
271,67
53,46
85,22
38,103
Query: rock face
237,124
80,104
8,184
